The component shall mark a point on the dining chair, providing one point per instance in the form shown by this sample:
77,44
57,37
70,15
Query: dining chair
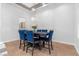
22,38
31,41
39,30
44,30
48,39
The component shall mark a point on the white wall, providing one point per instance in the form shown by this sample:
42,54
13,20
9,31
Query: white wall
77,27
10,18
60,18
64,23
0,22
44,18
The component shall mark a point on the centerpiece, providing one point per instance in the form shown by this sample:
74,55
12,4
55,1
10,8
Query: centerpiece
34,27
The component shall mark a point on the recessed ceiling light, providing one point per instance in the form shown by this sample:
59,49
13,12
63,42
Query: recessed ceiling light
44,4
33,9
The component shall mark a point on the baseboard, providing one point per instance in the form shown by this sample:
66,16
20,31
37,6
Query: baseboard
76,49
10,40
63,42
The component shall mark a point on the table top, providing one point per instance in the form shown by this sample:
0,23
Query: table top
41,34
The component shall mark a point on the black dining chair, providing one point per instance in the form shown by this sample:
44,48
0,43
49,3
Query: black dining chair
39,30
22,38
31,41
48,39
44,30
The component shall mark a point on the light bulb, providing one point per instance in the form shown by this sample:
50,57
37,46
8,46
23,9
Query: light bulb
33,9
44,4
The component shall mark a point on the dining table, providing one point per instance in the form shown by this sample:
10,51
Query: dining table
41,36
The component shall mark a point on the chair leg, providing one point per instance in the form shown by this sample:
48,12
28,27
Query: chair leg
39,45
24,45
27,48
20,44
49,48
43,43
33,48
51,45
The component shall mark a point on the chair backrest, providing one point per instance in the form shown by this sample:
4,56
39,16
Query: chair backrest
22,34
50,34
44,30
30,36
39,30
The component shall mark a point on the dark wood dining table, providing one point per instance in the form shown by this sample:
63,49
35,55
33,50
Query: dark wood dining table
41,36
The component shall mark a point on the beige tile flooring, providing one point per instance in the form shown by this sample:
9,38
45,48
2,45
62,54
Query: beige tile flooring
59,50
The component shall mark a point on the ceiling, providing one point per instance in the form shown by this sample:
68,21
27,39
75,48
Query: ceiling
30,6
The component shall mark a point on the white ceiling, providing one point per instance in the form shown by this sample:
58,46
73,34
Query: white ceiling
29,4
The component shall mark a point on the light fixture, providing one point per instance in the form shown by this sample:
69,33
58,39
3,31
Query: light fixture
44,4
34,14
33,9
